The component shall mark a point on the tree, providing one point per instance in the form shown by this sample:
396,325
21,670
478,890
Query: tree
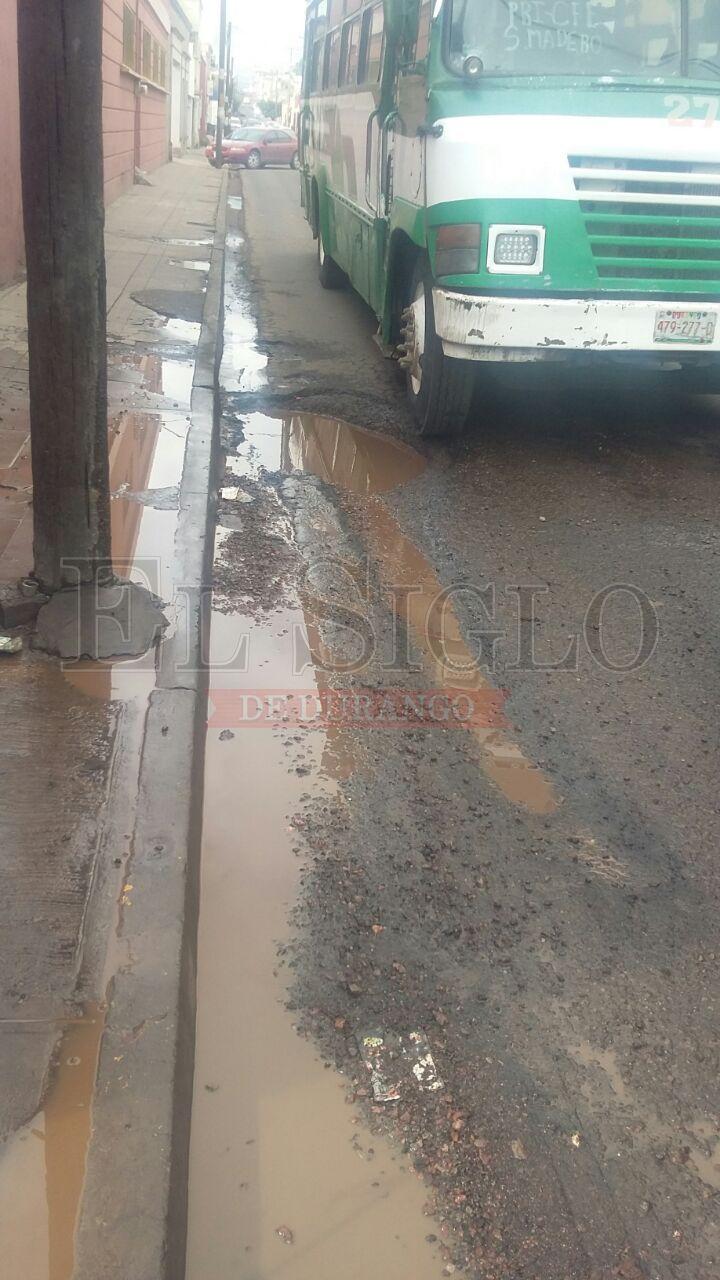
270,109
60,65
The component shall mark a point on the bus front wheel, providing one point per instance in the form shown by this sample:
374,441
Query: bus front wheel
439,389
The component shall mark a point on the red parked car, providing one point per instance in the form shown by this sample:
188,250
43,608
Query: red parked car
255,147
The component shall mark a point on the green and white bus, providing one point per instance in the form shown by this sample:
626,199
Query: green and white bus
516,180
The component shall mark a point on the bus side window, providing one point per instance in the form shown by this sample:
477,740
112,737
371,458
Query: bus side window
316,66
371,46
332,60
316,26
422,43
349,52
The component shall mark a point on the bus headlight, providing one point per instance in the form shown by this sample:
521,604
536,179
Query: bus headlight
516,250
457,249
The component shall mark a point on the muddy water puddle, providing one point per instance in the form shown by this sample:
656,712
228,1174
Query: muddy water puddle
283,1181
42,1164
284,1178
42,1171
363,465
147,451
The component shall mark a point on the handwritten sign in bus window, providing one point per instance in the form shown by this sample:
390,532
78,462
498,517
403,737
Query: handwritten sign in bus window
647,31
591,37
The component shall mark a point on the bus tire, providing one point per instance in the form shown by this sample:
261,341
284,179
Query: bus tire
439,389
330,275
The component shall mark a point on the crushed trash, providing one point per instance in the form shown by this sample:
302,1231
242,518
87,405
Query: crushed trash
380,1055
423,1067
11,644
286,1235
388,1057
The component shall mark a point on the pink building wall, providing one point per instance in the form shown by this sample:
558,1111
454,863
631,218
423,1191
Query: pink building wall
155,105
12,246
136,128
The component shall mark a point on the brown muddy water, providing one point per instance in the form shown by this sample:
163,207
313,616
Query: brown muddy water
43,1170
284,1179
363,465
42,1165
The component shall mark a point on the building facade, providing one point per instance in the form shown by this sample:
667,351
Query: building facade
143,101
12,242
136,90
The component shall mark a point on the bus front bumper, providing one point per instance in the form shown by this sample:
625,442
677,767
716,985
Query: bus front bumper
473,327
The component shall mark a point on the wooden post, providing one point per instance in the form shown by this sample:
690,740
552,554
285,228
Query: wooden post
60,63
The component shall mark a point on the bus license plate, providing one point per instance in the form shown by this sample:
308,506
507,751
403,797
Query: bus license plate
685,326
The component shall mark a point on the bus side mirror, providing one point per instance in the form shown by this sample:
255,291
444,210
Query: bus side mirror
429,131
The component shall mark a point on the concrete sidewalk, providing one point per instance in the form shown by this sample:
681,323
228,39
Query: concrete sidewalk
150,232
90,753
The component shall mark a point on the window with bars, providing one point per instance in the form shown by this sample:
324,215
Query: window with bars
142,53
129,49
147,43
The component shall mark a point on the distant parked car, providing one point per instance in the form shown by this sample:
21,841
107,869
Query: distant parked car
255,147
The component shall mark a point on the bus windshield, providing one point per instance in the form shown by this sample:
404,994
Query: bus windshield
650,39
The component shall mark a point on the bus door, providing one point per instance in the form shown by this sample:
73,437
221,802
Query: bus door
377,143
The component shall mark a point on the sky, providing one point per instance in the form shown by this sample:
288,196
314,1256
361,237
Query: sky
266,33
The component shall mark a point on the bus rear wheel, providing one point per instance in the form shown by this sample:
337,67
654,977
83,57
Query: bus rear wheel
331,276
439,389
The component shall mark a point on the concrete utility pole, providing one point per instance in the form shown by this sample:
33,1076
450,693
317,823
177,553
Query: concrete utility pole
220,126
228,73
60,63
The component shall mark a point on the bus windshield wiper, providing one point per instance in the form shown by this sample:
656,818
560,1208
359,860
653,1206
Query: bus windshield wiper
705,62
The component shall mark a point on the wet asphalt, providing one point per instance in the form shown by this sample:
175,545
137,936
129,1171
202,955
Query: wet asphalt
545,911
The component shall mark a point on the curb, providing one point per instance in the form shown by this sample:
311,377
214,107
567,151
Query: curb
134,1211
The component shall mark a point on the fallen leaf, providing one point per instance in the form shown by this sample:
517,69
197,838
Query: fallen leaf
518,1149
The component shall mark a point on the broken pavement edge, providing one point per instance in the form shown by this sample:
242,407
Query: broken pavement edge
133,1218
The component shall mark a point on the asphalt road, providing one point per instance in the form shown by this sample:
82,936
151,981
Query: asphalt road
551,919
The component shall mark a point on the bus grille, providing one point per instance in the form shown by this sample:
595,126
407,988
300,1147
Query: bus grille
653,222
